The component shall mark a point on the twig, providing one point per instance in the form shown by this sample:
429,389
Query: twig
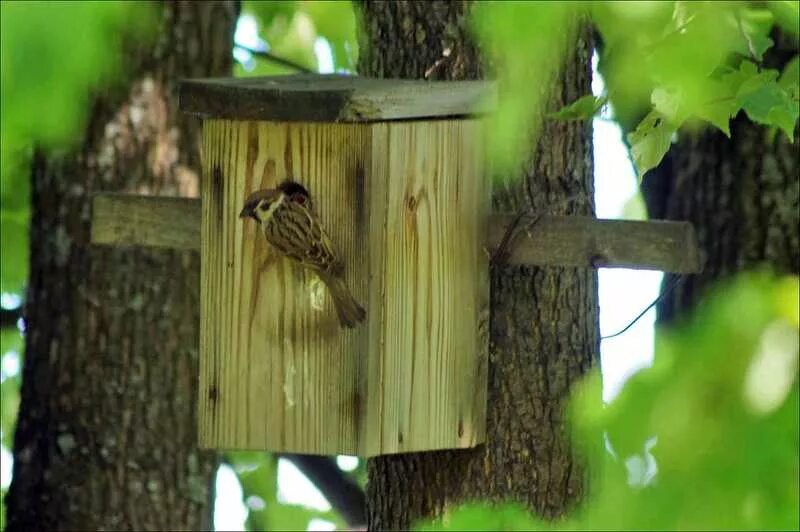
501,253
503,250
662,295
277,59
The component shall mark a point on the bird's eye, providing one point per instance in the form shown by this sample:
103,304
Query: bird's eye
264,206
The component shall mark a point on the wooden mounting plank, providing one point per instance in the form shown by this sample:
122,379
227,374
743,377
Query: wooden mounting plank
154,221
577,241
333,98
582,241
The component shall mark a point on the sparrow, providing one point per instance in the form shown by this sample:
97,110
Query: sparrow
287,218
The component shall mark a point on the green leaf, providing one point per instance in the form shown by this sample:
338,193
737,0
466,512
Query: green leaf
11,346
720,111
267,12
669,103
14,250
258,475
725,105
44,93
525,43
790,78
752,27
720,388
784,117
263,67
583,108
634,207
483,516
336,22
767,102
33,38
651,141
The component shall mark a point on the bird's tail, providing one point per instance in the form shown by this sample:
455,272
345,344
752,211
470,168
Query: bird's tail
347,308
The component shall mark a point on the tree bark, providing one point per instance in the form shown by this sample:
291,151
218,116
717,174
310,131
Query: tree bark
741,193
106,433
544,329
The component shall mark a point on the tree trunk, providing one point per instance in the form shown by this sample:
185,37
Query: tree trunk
544,329
106,432
741,193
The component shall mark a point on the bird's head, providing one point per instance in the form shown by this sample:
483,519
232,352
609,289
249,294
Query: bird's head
257,205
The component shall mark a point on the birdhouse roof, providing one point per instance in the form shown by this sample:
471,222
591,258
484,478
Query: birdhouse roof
334,98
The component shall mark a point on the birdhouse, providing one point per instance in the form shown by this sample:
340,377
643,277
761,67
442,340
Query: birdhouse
396,174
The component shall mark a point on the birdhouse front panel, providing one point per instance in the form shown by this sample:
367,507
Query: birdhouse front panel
402,205
282,375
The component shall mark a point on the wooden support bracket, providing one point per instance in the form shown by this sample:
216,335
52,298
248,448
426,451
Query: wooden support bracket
577,241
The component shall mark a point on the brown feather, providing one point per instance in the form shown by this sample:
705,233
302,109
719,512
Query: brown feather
292,227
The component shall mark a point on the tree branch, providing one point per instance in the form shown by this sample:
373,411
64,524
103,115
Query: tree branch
277,59
342,492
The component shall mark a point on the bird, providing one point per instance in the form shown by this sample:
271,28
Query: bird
290,225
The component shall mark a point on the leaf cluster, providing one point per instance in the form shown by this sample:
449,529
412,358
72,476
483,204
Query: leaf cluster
666,65
716,417
687,64
48,71
258,475
291,29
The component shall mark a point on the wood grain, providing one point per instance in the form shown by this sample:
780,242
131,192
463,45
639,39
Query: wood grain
155,221
276,370
553,241
426,379
588,242
333,98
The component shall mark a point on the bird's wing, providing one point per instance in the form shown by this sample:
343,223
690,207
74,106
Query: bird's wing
296,232
321,252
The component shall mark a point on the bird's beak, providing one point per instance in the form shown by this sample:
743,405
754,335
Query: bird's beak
247,212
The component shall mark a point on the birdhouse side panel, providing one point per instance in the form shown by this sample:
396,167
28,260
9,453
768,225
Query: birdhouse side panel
426,377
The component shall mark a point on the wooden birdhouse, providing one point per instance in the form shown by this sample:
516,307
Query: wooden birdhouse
396,173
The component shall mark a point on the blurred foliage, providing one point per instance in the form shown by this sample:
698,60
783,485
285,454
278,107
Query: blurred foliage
525,42
291,29
580,109
11,346
258,475
48,71
677,64
716,415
